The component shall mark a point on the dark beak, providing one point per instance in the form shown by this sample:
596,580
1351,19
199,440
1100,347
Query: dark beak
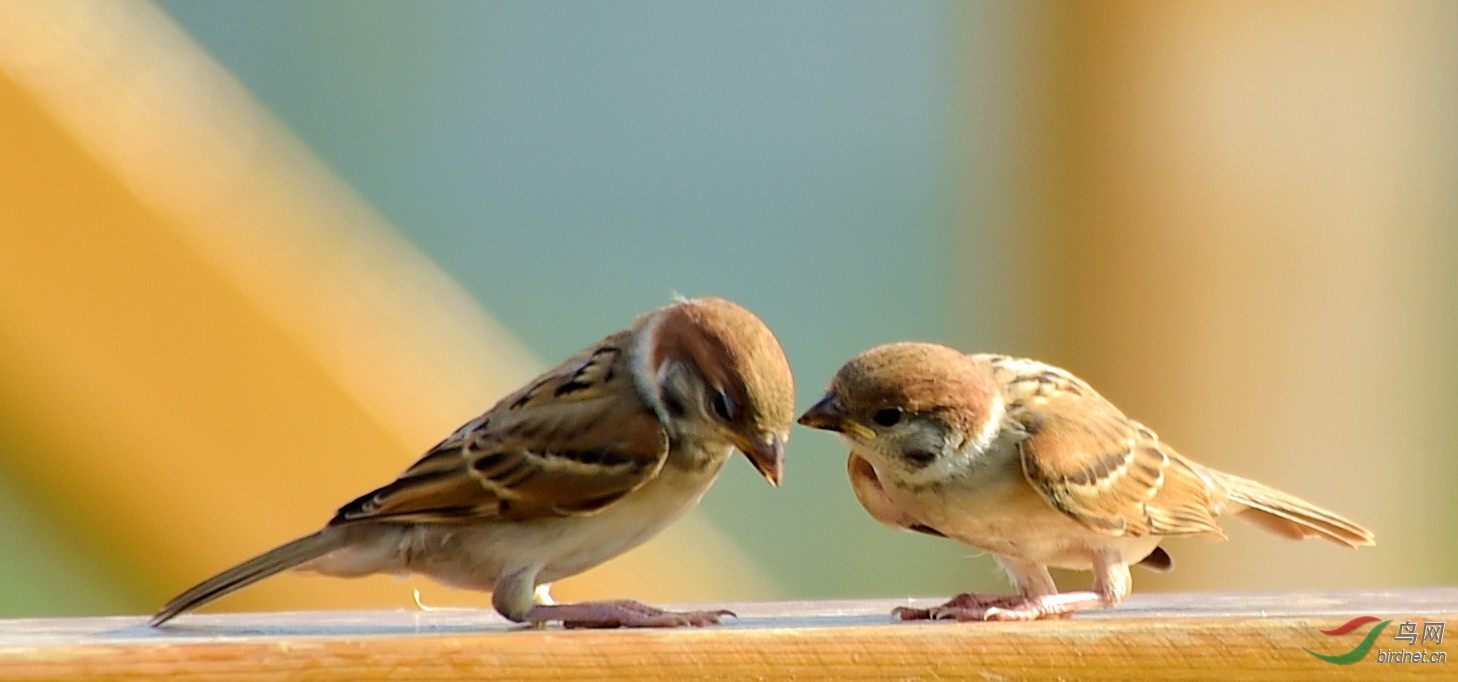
828,415
767,454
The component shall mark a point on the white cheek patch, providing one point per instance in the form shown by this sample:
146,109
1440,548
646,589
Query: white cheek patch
991,425
642,370
949,462
957,459
665,371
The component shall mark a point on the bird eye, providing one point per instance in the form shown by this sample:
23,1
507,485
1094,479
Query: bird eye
889,416
723,405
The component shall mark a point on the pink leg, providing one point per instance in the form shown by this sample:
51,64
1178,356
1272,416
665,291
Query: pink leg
961,607
1030,579
1047,606
1111,585
620,614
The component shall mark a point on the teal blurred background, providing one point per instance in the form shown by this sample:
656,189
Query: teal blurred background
863,172
574,165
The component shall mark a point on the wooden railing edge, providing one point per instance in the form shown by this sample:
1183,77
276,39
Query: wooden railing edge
1154,636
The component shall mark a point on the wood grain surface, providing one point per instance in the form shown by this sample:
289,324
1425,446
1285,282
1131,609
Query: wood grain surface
1152,636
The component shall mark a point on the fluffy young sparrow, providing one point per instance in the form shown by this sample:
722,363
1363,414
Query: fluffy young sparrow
587,461
1027,462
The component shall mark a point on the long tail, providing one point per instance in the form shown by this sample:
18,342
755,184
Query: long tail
251,571
1291,516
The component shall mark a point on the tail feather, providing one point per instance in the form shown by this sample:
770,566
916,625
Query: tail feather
1291,516
269,563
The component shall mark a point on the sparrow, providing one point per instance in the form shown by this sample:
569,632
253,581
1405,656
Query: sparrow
585,462
1028,463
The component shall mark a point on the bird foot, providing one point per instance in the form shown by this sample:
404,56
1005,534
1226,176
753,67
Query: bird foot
965,606
620,614
1047,606
973,606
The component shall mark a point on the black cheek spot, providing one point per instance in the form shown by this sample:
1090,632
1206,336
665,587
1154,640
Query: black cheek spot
674,406
920,458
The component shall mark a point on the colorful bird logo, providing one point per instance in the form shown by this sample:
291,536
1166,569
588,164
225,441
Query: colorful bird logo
1360,650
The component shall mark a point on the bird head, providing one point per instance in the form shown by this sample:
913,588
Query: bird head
909,405
720,373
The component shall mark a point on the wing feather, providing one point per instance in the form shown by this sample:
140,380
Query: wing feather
1093,463
567,443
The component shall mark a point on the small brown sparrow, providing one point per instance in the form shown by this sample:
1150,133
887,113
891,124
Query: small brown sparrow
1027,462
587,461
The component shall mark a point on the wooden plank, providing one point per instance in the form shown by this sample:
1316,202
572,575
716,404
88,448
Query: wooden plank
1151,636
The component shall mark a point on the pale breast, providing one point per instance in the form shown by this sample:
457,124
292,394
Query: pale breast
995,509
590,540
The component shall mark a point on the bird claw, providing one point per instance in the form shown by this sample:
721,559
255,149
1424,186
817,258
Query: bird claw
624,614
1032,609
968,606
973,606
1014,614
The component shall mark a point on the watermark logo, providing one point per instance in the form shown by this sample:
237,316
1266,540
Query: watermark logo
1407,631
1358,652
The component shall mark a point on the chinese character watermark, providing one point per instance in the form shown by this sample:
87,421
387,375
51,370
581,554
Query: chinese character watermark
1407,632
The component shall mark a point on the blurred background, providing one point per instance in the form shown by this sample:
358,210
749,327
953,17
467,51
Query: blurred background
255,257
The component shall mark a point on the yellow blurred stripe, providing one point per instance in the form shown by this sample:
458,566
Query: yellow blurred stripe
213,341
1236,220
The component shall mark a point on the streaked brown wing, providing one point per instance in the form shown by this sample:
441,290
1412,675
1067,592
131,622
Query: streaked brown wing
571,442
1102,468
